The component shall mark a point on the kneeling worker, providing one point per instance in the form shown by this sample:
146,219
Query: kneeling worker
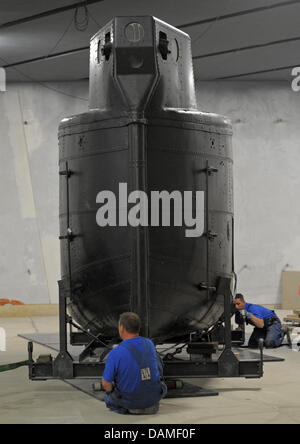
131,378
267,325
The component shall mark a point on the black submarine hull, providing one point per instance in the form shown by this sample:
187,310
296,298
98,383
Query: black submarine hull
143,131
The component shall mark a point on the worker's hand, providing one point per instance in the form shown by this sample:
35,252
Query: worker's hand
107,386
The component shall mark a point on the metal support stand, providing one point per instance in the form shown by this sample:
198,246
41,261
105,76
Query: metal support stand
69,236
63,364
228,363
94,343
199,364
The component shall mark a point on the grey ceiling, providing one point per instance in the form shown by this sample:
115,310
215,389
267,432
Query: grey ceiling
245,39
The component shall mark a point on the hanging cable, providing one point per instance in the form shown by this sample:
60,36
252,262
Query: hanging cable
51,53
61,37
48,13
94,20
51,88
80,24
209,28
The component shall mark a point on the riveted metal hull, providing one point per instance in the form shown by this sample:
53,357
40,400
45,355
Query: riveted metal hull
151,137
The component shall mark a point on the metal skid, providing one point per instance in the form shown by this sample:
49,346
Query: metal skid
199,362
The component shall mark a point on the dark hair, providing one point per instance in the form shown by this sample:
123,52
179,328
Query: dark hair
131,322
240,296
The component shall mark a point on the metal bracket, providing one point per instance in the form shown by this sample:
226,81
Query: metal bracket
211,235
209,170
96,342
68,173
89,350
63,366
205,286
70,236
228,364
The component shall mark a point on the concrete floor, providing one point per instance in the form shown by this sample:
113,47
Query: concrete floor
273,399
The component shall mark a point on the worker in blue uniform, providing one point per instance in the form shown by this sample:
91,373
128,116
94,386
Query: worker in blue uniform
133,372
267,324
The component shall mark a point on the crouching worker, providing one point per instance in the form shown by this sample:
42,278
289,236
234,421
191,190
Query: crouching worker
132,377
267,324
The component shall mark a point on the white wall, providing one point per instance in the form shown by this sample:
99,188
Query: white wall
266,177
266,146
29,259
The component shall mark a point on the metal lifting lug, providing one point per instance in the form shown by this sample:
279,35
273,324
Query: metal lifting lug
210,170
204,286
67,173
69,236
211,235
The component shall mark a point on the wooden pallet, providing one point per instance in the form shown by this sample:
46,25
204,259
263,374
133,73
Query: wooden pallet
293,319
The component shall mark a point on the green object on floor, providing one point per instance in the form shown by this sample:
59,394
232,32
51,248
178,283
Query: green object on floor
7,367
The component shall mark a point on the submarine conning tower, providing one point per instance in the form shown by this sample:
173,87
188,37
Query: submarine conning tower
143,131
140,62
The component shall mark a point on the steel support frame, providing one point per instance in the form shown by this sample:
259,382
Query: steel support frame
227,366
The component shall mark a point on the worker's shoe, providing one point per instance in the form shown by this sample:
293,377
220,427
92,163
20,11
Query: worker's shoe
147,411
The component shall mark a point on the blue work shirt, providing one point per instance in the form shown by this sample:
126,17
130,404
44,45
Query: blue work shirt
123,369
258,311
